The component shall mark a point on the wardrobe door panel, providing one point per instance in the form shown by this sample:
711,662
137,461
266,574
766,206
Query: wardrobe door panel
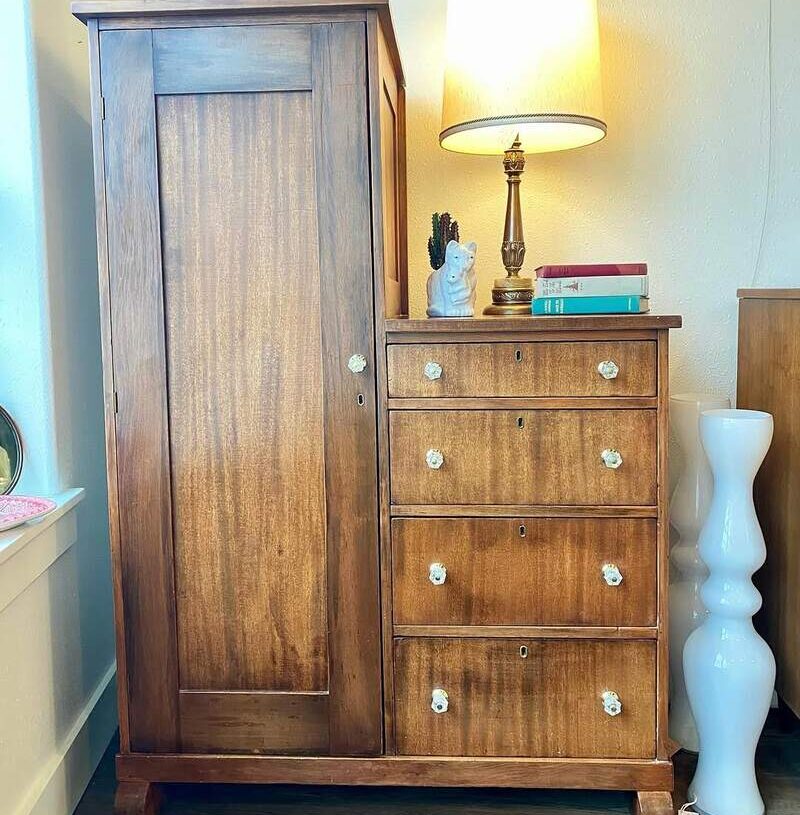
244,354
241,288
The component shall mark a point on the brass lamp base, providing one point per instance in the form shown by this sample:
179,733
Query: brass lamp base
511,297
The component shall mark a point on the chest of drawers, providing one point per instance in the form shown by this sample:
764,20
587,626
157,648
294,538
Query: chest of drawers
524,563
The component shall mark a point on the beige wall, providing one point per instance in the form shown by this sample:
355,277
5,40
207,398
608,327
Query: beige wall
682,181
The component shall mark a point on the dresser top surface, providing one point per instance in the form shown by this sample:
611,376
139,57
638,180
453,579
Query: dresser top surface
84,9
603,322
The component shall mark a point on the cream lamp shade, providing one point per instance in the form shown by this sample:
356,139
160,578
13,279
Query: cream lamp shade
529,69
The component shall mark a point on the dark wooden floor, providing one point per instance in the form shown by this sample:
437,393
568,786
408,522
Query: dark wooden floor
778,765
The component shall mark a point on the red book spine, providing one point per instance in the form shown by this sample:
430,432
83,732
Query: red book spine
593,270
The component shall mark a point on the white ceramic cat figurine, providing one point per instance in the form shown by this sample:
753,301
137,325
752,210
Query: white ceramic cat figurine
451,289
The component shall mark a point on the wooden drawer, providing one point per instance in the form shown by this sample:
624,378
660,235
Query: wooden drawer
522,369
524,571
523,457
548,704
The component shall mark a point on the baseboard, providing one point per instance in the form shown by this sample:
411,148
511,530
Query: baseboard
62,780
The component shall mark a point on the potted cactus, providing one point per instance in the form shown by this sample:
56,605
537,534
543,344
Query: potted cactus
445,229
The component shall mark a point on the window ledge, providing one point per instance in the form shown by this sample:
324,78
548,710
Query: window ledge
30,549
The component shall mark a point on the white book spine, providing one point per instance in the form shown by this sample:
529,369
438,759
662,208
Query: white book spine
628,285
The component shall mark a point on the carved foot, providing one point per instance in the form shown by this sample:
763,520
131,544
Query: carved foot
137,798
653,803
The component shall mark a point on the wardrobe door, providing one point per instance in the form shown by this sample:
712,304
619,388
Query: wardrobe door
237,189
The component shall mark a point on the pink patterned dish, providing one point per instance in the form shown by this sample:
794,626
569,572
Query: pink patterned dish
17,509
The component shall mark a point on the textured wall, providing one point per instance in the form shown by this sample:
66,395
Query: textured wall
682,181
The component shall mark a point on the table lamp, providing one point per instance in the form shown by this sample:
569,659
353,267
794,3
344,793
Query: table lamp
520,76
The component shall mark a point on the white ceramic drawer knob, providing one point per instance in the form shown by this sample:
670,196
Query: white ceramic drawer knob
433,371
608,369
434,459
357,363
611,574
611,703
611,458
437,573
439,702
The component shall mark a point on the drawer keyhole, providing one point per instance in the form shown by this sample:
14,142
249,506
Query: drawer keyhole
520,422
360,399
518,355
523,651
522,530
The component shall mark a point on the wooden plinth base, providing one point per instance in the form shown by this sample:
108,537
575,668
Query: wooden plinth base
653,803
137,798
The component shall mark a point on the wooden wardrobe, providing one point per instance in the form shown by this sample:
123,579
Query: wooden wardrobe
275,508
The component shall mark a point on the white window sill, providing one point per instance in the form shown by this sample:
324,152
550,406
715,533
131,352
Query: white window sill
29,550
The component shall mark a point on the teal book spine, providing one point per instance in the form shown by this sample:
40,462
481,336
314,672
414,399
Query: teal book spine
611,304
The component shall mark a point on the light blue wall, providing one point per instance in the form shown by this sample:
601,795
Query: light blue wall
24,324
50,368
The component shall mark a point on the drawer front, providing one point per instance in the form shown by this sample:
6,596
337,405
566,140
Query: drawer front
522,369
524,571
550,457
547,704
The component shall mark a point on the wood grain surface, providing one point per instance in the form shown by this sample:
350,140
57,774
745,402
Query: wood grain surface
137,798
553,458
145,555
341,150
254,722
522,369
653,803
547,704
524,571
391,771
245,391
109,390
390,290
230,59
526,324
769,373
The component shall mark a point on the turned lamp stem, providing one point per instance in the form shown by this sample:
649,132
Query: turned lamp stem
513,249
512,294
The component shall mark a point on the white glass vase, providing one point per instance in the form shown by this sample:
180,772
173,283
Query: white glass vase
688,511
729,669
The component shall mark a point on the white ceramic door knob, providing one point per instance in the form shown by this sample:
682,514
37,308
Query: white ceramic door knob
434,459
437,573
611,574
439,700
611,458
611,703
433,371
608,369
357,363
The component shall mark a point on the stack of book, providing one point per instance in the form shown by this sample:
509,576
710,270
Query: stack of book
598,288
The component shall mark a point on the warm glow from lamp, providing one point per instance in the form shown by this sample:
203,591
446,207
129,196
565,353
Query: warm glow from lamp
529,68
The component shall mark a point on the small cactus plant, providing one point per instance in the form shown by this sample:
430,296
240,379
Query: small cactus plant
445,229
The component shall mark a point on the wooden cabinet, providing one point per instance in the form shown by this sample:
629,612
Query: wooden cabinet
275,513
525,500
249,173
769,379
